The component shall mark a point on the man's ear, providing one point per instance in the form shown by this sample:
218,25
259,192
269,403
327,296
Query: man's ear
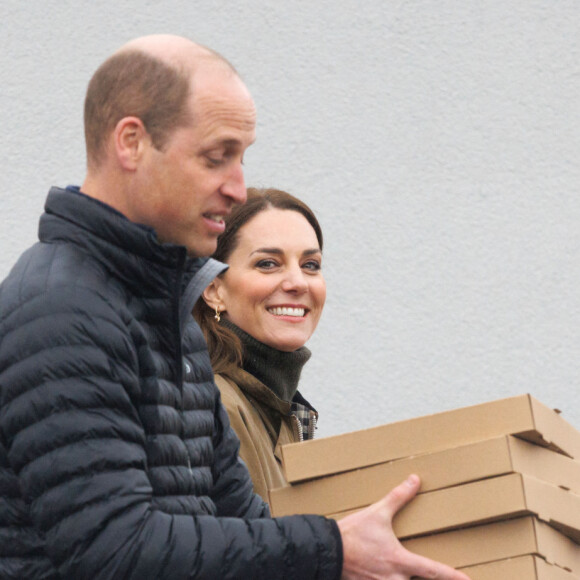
213,295
130,138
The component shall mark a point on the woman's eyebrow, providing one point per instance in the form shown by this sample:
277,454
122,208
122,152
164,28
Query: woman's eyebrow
279,252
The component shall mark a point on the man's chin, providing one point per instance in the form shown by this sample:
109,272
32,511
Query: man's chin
204,251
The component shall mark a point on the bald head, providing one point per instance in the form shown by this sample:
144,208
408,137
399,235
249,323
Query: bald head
177,51
149,78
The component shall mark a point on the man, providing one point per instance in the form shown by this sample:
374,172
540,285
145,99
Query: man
116,456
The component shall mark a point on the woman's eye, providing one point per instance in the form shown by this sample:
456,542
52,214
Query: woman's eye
266,264
312,265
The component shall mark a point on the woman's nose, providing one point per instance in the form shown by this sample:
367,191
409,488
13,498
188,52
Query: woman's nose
295,281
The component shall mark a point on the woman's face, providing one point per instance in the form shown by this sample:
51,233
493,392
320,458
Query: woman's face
274,288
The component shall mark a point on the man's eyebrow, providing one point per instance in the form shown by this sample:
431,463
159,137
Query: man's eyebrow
230,143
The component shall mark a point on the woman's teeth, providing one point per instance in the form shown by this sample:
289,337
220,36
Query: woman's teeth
285,311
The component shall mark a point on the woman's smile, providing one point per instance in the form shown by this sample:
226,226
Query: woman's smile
274,288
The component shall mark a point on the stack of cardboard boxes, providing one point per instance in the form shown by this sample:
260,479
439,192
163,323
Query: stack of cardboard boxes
500,493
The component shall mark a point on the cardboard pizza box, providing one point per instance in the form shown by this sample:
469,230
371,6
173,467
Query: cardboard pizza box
489,458
522,568
498,541
522,415
485,501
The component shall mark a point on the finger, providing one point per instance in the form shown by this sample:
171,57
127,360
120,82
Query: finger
401,495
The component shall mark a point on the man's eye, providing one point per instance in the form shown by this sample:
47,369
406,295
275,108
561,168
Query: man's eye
214,161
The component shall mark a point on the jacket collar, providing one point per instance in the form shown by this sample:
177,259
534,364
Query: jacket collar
131,251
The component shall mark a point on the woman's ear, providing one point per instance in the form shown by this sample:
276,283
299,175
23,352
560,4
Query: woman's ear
212,295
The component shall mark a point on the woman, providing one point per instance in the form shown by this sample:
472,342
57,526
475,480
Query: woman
256,318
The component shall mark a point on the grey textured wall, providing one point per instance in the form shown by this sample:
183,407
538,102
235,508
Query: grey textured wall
437,140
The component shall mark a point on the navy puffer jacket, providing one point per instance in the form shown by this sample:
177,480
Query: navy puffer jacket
116,456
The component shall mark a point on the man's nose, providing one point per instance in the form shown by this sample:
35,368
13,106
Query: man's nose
235,185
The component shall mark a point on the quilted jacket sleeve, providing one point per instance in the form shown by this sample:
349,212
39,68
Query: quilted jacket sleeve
233,491
74,439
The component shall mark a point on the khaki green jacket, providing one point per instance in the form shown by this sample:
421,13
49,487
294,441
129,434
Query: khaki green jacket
263,423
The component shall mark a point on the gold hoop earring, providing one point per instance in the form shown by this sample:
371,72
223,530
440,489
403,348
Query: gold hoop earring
217,314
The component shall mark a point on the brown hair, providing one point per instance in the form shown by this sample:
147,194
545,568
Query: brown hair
225,348
133,83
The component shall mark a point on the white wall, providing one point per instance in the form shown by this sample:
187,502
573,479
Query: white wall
438,142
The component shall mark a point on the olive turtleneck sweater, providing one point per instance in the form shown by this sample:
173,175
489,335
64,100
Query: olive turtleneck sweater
280,371
264,406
